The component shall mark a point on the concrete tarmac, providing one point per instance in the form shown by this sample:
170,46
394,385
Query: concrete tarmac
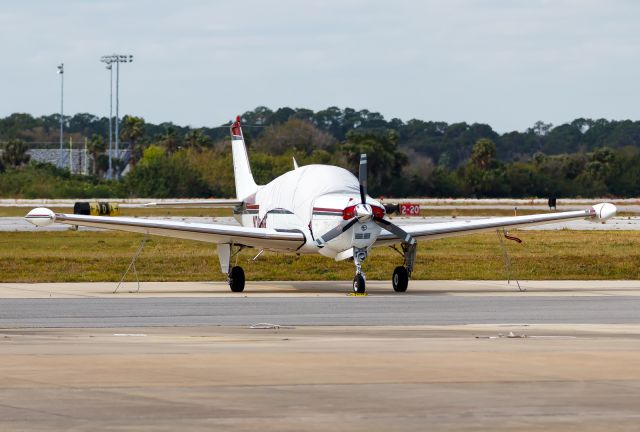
565,355
445,378
309,289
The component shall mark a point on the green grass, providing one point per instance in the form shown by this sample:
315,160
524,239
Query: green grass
103,256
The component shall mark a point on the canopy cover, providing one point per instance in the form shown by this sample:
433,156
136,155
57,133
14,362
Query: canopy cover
296,190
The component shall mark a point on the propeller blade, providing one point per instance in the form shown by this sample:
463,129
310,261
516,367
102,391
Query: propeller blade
395,230
362,178
335,232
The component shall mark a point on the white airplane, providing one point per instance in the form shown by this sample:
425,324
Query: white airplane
314,209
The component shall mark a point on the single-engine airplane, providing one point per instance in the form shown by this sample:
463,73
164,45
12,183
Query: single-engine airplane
313,209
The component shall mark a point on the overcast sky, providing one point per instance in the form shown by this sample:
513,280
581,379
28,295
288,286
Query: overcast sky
505,63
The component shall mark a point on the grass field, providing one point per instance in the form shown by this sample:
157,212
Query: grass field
103,256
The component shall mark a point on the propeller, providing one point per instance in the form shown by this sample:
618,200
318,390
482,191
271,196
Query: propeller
335,232
362,178
395,230
363,212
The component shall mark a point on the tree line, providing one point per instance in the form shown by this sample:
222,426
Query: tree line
584,158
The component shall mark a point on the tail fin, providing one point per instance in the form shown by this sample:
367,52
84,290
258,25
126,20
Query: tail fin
245,185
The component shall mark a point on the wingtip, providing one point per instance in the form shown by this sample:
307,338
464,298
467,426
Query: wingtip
41,216
604,211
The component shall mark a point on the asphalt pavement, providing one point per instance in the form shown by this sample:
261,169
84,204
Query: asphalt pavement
404,309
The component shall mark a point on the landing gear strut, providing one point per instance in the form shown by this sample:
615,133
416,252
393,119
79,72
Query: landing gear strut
235,274
359,255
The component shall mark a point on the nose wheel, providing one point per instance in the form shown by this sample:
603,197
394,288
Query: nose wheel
359,284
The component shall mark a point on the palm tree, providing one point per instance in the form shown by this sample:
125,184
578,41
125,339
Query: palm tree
96,147
15,154
196,139
170,140
132,131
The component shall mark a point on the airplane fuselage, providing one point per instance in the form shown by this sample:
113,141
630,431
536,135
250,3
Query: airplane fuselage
313,210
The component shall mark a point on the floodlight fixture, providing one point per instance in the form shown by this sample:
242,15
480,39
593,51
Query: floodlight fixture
109,60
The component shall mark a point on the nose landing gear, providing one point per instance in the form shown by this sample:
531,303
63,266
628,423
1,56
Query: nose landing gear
359,255
359,284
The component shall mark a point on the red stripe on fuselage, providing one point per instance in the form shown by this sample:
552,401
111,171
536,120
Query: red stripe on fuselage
322,209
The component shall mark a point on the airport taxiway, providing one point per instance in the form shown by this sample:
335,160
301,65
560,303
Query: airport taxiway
294,356
318,303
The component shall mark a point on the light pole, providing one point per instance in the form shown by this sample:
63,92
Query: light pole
61,73
121,59
110,119
109,60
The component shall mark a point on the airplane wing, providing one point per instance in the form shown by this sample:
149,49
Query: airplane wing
210,203
433,231
263,238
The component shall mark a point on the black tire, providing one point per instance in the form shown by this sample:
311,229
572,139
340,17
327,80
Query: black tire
400,279
359,284
236,279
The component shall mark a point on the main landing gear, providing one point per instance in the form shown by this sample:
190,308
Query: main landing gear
400,279
235,274
402,274
236,279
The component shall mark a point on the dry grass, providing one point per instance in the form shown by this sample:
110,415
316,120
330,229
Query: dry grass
103,256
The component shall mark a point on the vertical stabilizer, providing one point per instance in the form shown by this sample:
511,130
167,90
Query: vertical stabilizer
245,185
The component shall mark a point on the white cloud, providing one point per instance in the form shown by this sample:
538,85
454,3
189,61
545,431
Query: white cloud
506,63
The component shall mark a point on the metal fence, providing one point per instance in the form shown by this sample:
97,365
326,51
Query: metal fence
75,157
